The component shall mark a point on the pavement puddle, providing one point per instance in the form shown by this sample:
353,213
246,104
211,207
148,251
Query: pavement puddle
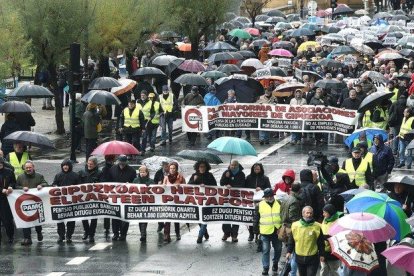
56,274
77,260
100,246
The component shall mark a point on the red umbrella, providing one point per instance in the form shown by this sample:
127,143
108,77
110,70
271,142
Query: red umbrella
115,148
192,65
253,31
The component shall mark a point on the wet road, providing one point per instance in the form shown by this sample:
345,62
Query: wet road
132,257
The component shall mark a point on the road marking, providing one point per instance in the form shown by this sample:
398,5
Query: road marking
100,246
56,274
265,153
77,260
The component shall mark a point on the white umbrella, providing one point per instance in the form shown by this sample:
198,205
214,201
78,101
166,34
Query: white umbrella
154,163
252,62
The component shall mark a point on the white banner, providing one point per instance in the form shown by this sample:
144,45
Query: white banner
132,202
267,117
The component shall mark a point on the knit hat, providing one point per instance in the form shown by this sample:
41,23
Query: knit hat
330,209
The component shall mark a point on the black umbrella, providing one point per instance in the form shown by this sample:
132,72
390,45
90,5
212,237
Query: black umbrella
173,65
283,44
247,91
247,54
402,179
343,50
200,155
311,74
30,138
373,99
228,68
260,42
302,32
329,29
375,76
15,106
400,17
328,84
330,63
163,60
342,10
191,79
101,97
293,17
275,19
275,13
375,44
382,15
274,71
221,56
219,46
407,52
149,72
104,83
261,17
31,91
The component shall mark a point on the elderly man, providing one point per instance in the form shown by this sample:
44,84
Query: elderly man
267,222
307,242
352,102
29,180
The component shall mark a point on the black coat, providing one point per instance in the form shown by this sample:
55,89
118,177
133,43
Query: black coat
127,174
237,181
90,176
66,178
396,112
7,128
159,176
105,172
352,104
206,178
315,193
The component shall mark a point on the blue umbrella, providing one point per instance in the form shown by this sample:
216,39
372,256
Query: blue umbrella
380,22
348,195
232,145
370,132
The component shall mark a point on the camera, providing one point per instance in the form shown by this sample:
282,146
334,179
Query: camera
316,158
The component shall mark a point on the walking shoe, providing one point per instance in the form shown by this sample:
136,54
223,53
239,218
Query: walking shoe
167,238
267,142
61,239
225,237
401,165
115,237
234,239
160,227
69,239
106,233
43,107
178,236
143,238
91,239
274,268
206,236
262,143
265,271
40,236
27,242
122,238
199,239
85,236
163,143
170,140
251,237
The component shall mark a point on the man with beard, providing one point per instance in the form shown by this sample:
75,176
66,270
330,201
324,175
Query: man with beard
91,174
66,177
122,173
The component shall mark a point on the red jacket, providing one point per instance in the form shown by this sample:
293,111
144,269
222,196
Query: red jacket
282,185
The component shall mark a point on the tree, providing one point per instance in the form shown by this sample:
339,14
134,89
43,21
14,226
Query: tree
51,26
253,8
196,18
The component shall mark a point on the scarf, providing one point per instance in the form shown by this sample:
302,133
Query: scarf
235,171
172,178
332,218
307,223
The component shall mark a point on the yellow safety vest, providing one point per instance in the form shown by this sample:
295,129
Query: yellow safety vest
366,122
167,104
306,237
133,119
382,124
341,171
369,158
146,109
356,142
406,126
269,217
14,161
394,97
325,230
358,174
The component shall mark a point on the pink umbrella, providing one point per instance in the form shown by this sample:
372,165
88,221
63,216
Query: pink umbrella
192,65
401,256
281,53
321,13
372,227
253,31
115,148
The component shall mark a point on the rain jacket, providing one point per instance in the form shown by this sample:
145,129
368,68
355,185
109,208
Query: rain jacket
127,174
396,112
90,176
30,180
211,99
237,180
66,178
308,189
260,180
143,180
291,209
206,178
282,185
383,160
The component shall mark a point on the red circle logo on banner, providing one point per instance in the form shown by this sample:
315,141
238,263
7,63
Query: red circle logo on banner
193,118
22,209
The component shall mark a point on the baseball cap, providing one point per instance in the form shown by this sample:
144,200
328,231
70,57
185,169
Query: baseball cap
165,88
356,149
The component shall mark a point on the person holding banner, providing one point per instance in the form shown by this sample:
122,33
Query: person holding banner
202,177
232,177
123,173
109,162
91,174
267,98
143,178
8,181
66,177
297,100
194,98
173,178
30,180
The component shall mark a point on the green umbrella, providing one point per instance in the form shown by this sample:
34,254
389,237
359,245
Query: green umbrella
240,33
383,206
233,145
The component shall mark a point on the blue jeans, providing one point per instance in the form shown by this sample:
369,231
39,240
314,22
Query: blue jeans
166,123
394,144
296,136
293,265
203,230
264,136
403,144
151,135
277,247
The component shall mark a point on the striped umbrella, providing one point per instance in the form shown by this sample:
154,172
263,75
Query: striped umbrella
383,206
374,228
